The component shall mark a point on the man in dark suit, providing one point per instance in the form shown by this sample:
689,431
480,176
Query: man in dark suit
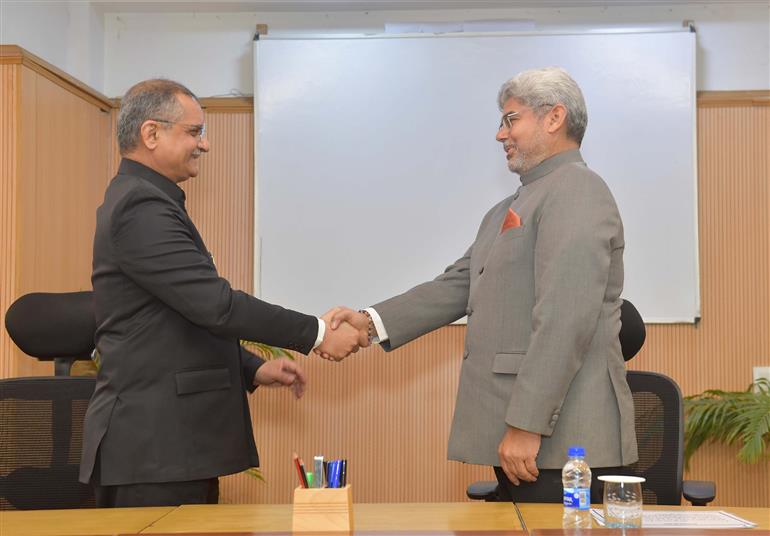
169,413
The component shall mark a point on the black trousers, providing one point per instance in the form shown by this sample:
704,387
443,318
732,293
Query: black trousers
154,493
158,494
548,487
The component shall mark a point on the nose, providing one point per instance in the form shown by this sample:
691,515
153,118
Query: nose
502,134
203,145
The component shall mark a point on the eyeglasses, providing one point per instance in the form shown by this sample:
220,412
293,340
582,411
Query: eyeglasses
196,131
507,120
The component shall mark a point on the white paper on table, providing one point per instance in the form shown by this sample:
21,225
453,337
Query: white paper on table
685,519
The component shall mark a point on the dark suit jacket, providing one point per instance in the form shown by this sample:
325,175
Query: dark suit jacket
170,399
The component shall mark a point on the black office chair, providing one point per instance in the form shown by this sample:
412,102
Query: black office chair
659,423
42,433
659,413
53,326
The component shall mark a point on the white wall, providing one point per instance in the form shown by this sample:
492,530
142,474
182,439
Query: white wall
211,52
69,35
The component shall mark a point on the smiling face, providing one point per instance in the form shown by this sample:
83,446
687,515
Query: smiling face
179,142
524,136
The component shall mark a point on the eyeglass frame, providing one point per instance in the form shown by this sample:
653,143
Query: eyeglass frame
202,127
508,118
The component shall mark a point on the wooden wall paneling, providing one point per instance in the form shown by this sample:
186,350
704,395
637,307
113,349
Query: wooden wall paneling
9,146
63,160
734,333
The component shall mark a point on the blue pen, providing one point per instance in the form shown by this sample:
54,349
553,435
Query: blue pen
337,471
334,474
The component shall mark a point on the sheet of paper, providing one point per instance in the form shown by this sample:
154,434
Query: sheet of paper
712,519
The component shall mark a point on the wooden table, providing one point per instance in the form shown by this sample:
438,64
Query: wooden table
412,517
538,517
85,521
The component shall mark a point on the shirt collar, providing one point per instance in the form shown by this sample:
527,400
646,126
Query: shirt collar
551,163
167,186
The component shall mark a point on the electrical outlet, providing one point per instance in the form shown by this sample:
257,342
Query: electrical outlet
762,372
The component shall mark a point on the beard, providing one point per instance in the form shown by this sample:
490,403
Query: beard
527,158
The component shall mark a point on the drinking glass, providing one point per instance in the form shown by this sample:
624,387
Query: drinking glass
622,501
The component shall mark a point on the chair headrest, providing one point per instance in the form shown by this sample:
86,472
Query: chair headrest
49,325
632,330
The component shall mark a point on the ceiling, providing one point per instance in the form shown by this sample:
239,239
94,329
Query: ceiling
381,5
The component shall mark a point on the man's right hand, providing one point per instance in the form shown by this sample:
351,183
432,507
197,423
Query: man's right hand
340,339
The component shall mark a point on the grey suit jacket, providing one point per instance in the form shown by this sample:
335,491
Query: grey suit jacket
543,305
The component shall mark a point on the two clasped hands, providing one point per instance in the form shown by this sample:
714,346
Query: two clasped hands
346,331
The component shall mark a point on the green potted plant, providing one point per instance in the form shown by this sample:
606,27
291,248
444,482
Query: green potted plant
730,417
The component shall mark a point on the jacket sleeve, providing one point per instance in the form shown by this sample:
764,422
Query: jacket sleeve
250,363
427,306
155,248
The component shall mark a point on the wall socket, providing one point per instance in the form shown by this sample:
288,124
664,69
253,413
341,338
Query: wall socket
762,372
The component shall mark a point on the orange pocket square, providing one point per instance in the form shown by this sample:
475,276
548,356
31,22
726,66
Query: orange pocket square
511,221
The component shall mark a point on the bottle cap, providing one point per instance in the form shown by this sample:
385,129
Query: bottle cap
576,450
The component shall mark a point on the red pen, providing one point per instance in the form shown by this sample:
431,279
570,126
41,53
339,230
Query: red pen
300,470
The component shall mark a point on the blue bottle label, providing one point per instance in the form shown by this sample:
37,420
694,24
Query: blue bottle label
579,498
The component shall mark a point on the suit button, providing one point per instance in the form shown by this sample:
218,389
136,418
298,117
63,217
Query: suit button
465,354
469,311
481,270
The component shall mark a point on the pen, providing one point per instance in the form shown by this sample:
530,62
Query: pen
318,472
300,470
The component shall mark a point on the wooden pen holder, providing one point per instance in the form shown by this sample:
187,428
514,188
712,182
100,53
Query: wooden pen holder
322,510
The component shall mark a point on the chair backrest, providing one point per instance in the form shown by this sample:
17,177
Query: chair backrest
57,326
659,416
42,434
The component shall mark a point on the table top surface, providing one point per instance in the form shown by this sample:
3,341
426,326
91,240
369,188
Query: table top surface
366,517
83,521
496,519
548,516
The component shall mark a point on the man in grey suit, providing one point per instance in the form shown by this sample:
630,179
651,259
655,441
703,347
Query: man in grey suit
540,285
169,414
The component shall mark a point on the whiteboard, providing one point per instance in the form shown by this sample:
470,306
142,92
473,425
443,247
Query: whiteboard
376,158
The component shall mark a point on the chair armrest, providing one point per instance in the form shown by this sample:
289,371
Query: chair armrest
482,490
699,492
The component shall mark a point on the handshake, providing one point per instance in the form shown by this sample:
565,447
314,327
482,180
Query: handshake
346,331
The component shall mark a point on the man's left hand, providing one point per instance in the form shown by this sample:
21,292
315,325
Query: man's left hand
281,371
517,452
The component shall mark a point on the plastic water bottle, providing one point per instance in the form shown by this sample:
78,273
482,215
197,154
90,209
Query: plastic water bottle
576,478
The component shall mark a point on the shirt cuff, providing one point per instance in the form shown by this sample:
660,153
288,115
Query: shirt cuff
379,327
321,332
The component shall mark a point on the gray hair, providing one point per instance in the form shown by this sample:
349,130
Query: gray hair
150,99
541,88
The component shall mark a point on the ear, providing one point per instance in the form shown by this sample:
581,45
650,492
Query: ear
555,118
149,133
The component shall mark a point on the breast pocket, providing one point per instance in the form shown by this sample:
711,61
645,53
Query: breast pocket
513,232
508,362
198,381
